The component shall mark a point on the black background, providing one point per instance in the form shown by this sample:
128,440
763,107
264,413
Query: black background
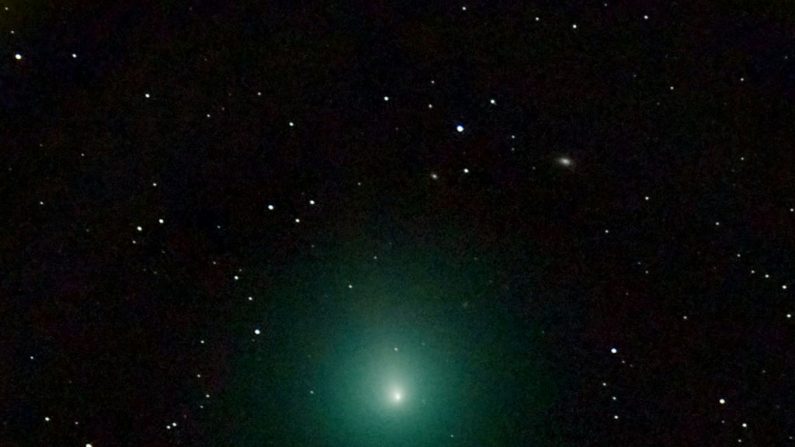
677,284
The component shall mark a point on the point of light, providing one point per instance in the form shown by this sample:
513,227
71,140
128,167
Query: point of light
459,128
396,396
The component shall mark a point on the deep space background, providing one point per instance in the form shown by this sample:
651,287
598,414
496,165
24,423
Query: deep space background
544,223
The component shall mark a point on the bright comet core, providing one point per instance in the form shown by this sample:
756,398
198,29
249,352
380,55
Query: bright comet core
396,396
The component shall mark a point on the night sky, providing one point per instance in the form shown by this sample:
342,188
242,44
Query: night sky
370,223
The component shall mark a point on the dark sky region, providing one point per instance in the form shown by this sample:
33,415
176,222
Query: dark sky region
368,223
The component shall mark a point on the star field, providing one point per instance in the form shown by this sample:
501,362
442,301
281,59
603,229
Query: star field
384,224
